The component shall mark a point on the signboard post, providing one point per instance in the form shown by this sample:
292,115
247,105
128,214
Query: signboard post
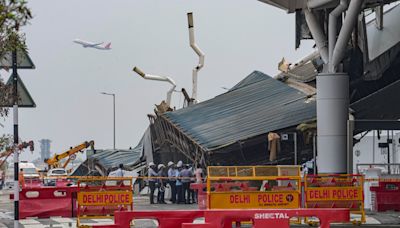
11,60
16,154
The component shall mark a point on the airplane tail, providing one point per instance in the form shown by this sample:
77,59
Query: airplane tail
108,46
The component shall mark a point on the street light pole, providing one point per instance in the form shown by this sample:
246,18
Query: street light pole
112,94
114,118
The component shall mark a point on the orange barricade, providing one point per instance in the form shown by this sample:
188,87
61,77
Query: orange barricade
335,191
201,189
100,197
253,187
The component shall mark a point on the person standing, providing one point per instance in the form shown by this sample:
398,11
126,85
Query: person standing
21,178
192,180
178,183
172,180
198,173
120,171
162,184
185,174
152,180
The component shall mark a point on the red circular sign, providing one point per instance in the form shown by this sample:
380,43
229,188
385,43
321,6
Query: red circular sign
289,198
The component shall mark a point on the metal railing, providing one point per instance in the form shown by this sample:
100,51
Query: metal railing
392,168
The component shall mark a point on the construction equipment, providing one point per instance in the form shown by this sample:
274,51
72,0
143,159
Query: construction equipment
54,162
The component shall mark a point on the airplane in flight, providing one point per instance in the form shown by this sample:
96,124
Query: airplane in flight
99,46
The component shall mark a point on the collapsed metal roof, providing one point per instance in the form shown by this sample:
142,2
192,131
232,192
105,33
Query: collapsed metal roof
112,158
101,162
256,105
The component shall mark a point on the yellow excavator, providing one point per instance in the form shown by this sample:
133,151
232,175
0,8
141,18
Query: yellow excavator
54,162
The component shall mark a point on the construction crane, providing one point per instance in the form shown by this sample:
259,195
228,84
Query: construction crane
9,151
54,162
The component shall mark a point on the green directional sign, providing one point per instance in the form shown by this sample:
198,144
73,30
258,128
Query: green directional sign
24,98
23,60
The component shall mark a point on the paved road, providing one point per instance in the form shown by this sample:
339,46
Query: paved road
390,219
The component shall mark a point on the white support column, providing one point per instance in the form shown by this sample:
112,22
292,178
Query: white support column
332,114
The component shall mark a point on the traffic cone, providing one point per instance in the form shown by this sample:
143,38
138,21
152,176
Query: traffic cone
313,181
220,186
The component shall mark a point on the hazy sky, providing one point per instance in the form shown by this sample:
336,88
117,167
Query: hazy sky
237,36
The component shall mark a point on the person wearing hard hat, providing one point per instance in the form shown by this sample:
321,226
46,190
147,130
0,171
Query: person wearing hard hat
152,180
162,184
172,180
179,190
185,174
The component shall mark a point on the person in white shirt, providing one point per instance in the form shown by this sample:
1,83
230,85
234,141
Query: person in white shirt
120,171
186,175
179,190
152,181
162,183
172,180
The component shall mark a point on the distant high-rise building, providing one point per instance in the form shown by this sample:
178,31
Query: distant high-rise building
44,149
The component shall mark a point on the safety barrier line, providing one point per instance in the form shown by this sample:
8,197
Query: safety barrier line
259,218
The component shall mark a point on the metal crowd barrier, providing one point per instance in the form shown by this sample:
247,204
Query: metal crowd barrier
335,191
100,197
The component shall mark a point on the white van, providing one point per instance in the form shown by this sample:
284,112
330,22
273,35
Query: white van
29,169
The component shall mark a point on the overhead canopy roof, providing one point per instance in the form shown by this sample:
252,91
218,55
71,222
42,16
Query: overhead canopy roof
380,104
292,5
288,5
256,105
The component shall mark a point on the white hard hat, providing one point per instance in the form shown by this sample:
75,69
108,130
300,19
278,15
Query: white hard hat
151,164
179,164
161,165
170,163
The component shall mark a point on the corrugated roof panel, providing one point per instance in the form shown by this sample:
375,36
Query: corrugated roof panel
254,77
112,158
257,105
